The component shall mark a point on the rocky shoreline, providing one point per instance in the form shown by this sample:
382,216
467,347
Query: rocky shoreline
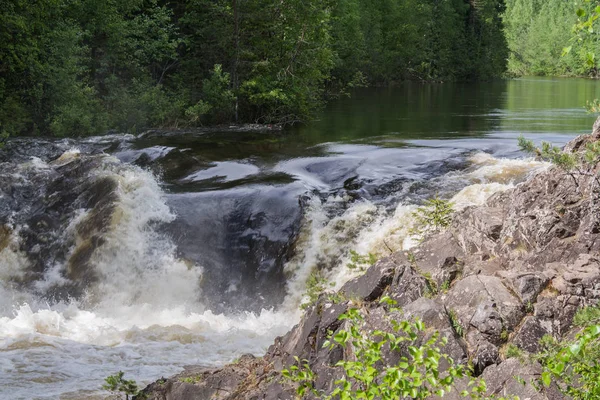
509,272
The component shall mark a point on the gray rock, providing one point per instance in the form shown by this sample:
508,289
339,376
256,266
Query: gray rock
371,285
529,334
407,286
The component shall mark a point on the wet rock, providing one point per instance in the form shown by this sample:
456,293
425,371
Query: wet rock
371,285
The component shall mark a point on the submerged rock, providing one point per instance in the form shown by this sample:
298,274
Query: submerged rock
514,269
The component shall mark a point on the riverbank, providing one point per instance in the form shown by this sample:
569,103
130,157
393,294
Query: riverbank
507,273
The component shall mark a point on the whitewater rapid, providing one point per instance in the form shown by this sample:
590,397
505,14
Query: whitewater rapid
143,315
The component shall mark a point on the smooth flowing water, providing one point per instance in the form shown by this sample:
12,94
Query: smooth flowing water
146,254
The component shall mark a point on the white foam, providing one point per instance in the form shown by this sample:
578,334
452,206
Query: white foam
144,307
365,228
502,170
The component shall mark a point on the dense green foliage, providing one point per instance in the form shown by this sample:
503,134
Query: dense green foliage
120,386
538,31
434,215
418,373
581,163
572,364
80,67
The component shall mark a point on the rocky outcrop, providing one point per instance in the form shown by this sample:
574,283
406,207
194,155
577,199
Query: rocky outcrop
508,272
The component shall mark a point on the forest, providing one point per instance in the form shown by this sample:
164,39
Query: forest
538,31
83,67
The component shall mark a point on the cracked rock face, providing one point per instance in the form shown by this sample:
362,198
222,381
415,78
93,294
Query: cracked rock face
516,268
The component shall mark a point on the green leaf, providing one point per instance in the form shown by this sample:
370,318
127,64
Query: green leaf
546,378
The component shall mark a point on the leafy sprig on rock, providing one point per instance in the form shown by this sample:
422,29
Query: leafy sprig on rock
416,375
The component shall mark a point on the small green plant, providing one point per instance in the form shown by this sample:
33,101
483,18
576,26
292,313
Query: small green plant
361,262
190,379
593,106
574,365
428,293
120,386
445,286
555,155
455,323
587,316
520,380
504,335
592,153
529,307
526,145
433,216
512,351
412,259
571,163
316,284
416,375
431,283
336,297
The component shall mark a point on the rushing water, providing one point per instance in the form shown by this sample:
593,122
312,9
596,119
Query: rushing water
147,254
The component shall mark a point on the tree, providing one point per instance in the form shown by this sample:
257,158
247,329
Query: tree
82,67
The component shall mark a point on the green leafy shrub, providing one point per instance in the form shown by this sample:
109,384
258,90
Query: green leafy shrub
361,262
3,137
195,113
434,215
574,365
587,316
316,284
119,385
455,323
81,116
217,93
162,108
571,163
417,374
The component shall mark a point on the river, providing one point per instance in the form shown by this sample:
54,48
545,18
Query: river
146,254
